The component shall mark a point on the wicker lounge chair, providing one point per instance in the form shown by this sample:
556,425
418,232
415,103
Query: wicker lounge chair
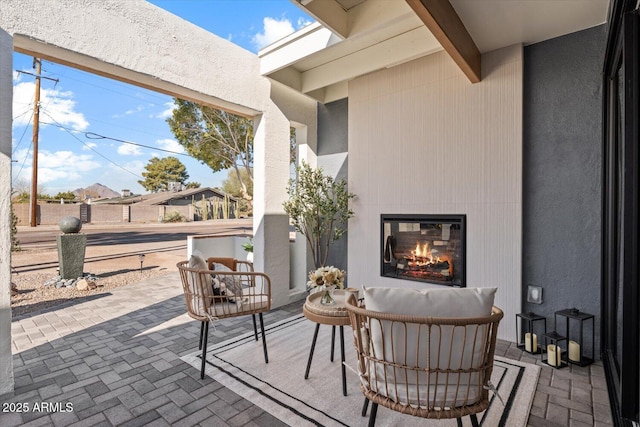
205,306
424,366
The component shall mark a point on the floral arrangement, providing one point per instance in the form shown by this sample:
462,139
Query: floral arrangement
327,277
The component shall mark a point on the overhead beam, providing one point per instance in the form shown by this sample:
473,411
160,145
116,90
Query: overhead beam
330,14
445,24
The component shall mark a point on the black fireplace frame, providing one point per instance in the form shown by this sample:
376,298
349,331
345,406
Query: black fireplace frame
459,219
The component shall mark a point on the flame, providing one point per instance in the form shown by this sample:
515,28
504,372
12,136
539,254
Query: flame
423,251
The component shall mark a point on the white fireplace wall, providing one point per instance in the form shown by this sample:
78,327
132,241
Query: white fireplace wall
422,139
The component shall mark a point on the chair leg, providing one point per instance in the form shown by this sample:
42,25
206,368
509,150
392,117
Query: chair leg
459,421
342,358
201,335
372,417
365,406
204,349
255,328
474,420
264,339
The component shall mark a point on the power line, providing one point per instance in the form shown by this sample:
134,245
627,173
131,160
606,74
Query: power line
91,148
22,136
93,135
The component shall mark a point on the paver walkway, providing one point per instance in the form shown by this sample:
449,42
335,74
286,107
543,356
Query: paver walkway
115,360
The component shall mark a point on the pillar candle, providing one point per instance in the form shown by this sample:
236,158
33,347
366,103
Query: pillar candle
574,351
554,355
531,342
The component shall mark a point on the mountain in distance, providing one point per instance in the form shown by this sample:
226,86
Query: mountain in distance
95,191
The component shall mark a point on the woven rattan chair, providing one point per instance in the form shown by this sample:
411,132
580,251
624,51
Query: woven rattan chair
203,305
424,366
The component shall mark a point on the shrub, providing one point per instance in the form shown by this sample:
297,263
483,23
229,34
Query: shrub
174,216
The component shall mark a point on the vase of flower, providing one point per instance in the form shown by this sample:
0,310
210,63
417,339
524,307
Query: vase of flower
327,296
326,280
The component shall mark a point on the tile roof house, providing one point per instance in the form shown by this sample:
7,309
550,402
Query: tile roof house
520,115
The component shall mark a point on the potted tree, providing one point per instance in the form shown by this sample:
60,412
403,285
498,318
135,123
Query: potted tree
319,209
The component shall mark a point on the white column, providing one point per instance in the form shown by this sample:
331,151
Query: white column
270,223
6,89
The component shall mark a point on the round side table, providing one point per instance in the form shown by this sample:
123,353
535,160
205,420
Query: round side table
334,315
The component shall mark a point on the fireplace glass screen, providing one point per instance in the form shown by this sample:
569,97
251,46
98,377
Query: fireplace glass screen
425,248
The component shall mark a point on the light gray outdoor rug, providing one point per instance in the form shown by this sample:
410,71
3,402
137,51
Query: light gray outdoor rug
280,389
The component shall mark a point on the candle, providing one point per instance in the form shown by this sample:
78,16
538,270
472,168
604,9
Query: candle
531,342
554,355
574,351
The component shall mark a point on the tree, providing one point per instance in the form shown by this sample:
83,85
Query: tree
161,171
232,186
319,209
66,195
192,185
217,139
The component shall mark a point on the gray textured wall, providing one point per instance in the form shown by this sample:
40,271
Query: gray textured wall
332,157
562,160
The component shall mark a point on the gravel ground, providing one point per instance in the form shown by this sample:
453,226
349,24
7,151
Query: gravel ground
32,295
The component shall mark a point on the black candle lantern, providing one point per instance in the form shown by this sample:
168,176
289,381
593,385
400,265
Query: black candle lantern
529,330
577,344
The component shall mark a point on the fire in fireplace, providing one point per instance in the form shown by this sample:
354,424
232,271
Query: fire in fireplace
425,248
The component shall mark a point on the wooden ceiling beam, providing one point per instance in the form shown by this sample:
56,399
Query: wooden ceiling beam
444,23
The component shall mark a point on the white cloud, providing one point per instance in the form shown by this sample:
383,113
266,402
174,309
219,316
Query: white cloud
171,145
166,113
55,105
129,150
303,22
138,109
54,166
129,112
89,145
17,76
274,30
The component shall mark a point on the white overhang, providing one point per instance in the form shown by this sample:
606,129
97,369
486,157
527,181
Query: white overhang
356,37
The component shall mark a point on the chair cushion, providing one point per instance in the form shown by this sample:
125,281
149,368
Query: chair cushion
228,285
452,302
201,299
437,348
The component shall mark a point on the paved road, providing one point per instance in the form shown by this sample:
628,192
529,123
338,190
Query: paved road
114,246
44,237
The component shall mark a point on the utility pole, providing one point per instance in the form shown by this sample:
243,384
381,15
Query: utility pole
37,63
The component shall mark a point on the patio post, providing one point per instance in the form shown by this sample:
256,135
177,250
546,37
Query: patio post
270,223
6,89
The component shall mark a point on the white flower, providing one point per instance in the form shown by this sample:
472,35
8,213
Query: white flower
326,276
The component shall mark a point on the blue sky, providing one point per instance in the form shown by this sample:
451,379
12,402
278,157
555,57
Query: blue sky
82,108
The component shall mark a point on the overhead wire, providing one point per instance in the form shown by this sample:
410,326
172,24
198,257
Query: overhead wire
91,148
23,132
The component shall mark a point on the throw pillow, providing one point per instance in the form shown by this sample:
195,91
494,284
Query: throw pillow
229,285
198,263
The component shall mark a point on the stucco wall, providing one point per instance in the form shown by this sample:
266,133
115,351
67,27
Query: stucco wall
562,172
422,139
333,145
136,42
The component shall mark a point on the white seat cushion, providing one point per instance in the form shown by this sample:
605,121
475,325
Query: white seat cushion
438,347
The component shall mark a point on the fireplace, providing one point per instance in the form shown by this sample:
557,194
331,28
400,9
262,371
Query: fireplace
424,248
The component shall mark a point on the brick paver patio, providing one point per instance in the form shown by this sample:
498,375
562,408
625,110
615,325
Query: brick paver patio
115,360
